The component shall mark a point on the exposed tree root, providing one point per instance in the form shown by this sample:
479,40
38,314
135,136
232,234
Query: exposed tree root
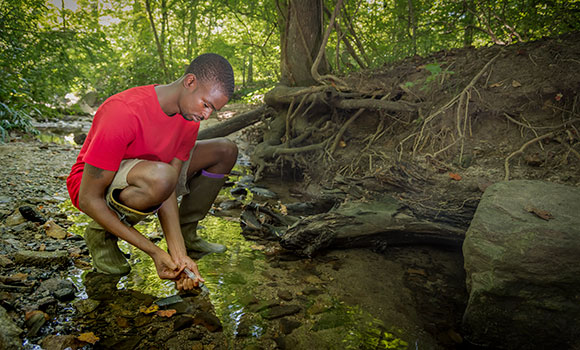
462,114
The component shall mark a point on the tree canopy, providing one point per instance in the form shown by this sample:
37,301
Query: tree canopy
51,48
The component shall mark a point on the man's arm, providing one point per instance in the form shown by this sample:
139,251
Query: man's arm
92,201
169,219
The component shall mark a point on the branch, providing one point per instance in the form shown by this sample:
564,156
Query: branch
524,146
236,123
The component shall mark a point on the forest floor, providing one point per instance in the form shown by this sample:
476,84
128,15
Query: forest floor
417,293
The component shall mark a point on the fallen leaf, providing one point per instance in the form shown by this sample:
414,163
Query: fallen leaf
283,208
88,337
558,96
166,313
498,84
455,176
149,310
42,247
342,144
53,230
542,214
516,83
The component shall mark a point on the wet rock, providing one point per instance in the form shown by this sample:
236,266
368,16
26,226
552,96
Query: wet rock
34,321
280,311
10,334
182,322
287,325
285,295
263,192
245,326
85,306
208,320
30,214
61,342
61,289
521,260
43,259
263,305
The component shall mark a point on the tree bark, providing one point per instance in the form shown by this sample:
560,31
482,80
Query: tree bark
301,37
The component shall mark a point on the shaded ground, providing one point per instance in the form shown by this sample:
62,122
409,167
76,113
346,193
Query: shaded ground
357,297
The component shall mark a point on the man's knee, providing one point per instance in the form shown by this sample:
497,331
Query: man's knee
162,180
228,149
156,179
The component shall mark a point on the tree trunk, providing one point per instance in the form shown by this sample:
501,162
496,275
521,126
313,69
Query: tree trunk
301,37
157,42
250,79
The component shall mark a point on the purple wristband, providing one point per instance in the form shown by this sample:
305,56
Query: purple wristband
212,175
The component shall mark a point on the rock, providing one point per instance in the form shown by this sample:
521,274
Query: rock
43,259
14,219
521,260
182,322
34,321
61,289
285,295
287,325
53,230
209,321
263,192
330,320
61,342
245,326
30,214
280,311
85,306
10,334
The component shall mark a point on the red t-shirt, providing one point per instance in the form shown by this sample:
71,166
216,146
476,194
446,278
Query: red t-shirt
132,125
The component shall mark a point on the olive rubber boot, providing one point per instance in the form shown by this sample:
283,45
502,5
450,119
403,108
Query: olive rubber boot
203,190
102,245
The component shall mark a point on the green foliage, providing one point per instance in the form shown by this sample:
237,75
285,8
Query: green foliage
47,50
437,73
252,94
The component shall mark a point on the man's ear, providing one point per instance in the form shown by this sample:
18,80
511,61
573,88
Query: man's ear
190,81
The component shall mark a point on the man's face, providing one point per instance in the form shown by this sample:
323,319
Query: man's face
200,99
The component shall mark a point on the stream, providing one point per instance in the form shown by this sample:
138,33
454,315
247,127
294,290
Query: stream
404,298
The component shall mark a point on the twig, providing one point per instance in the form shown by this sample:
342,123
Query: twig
524,146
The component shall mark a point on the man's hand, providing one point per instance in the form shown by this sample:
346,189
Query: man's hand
184,282
166,267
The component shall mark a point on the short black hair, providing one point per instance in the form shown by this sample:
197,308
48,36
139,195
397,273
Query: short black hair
211,67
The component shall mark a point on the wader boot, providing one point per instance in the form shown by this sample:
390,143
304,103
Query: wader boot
203,190
107,257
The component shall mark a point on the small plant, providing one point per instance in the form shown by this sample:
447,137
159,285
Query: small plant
15,119
436,73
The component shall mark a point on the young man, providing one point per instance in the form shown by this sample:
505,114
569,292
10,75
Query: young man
140,154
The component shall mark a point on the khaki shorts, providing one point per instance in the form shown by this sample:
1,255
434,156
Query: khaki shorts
120,179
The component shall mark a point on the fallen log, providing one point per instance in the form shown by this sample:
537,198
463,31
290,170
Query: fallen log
236,123
375,225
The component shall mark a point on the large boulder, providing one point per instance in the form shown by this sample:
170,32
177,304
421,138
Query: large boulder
522,259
